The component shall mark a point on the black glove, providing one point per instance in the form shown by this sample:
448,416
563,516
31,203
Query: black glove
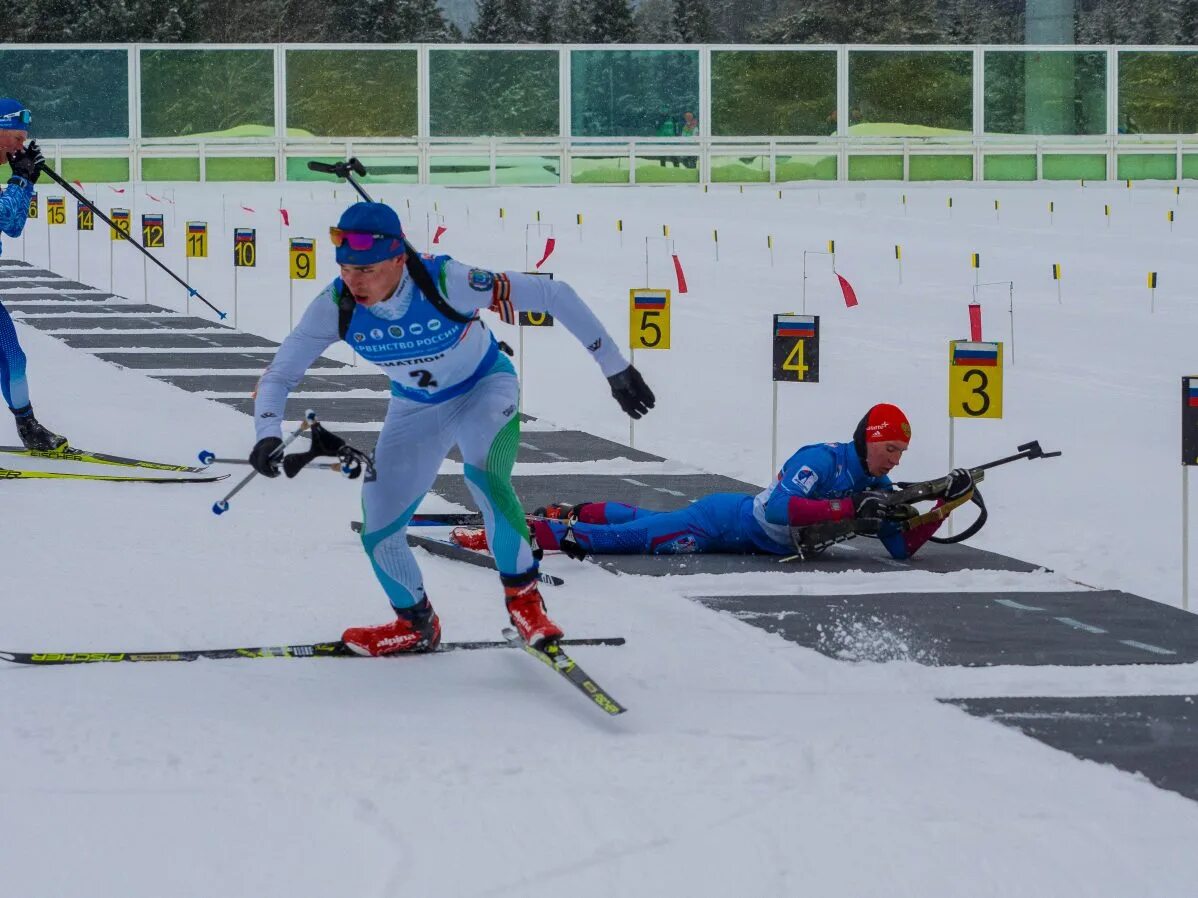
263,458
632,392
27,163
960,484
870,511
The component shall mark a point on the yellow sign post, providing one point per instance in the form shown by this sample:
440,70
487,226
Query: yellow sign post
974,386
648,327
196,248
119,218
245,255
301,252
56,210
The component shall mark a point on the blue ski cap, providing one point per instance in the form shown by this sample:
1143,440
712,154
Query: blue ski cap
13,115
371,218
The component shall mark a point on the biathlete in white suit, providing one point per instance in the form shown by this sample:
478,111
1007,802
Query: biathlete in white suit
417,319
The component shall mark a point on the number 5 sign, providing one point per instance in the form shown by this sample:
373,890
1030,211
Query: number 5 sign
974,379
649,319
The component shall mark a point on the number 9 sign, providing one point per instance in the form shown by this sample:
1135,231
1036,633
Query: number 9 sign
303,258
649,319
974,379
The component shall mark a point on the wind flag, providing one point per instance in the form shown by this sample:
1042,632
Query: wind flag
441,229
247,209
550,245
850,297
975,322
975,355
286,217
678,272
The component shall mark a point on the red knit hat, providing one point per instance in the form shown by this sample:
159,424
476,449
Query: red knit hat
886,422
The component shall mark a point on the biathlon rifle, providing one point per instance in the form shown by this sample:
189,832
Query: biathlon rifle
814,538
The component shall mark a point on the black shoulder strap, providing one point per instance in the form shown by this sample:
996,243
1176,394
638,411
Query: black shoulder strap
425,282
345,309
346,304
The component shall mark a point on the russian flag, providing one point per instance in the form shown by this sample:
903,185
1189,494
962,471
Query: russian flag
196,227
243,235
299,244
794,326
976,354
1192,394
649,302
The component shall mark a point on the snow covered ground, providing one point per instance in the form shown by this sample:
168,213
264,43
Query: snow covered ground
747,765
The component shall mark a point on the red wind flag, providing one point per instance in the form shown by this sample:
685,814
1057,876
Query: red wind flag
550,244
247,209
78,184
850,298
441,230
681,276
975,322
286,217
116,189
154,198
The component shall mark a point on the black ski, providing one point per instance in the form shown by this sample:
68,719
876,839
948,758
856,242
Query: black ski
86,456
335,649
557,660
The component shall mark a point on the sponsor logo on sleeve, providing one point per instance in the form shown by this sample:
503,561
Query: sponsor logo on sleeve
395,331
376,333
594,347
359,337
482,281
805,479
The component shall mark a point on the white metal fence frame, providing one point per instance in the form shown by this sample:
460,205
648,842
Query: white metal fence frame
426,149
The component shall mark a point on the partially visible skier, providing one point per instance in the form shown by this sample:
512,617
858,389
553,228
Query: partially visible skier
25,162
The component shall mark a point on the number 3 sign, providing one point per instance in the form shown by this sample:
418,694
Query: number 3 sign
974,379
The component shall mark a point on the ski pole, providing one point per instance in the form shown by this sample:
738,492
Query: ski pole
346,170
222,506
191,291
208,457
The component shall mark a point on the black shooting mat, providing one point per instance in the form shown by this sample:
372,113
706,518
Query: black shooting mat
1152,735
201,360
15,305
23,270
326,382
166,340
977,629
56,297
117,323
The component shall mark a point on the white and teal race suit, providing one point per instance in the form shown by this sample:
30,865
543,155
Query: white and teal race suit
450,385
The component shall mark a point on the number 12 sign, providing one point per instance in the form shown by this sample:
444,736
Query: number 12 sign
974,379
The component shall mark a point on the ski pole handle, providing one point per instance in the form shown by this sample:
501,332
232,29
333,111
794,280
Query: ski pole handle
221,506
207,457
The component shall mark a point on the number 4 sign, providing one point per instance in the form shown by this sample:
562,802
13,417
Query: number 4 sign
796,348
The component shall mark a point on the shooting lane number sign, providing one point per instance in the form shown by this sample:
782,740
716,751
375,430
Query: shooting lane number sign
536,319
796,348
153,231
974,379
1189,420
56,210
649,319
120,218
85,217
245,249
302,251
197,240
33,205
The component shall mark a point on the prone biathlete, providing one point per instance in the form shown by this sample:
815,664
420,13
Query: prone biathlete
821,482
25,163
417,318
